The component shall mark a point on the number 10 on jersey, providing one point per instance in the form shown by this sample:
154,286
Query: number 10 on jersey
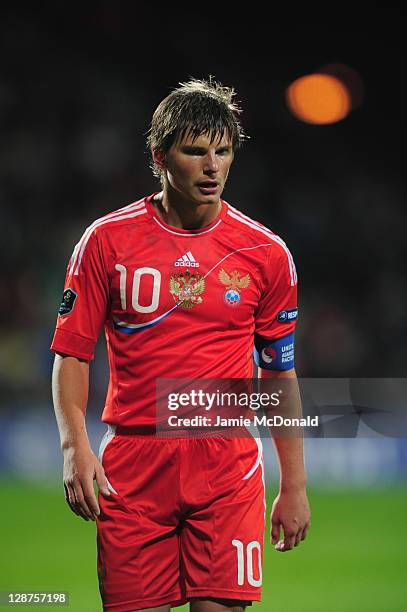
135,294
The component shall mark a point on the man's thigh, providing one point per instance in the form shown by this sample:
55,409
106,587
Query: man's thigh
217,605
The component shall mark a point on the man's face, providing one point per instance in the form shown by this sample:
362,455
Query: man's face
198,169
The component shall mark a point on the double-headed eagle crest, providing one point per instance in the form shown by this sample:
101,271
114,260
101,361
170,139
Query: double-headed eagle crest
187,287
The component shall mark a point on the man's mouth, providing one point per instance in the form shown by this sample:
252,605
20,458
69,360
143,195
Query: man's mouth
207,187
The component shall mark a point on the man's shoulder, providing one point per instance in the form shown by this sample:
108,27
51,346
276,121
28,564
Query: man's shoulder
109,226
254,230
112,223
244,221
130,214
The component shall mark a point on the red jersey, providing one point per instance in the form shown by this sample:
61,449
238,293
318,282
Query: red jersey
176,303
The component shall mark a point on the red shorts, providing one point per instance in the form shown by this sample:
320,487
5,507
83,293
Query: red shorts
185,519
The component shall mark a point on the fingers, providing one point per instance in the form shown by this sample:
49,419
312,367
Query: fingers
305,530
275,532
288,543
280,546
302,534
82,499
291,539
290,535
88,500
299,537
70,498
72,502
101,481
81,467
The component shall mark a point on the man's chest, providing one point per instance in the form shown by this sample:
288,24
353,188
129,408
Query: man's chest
210,282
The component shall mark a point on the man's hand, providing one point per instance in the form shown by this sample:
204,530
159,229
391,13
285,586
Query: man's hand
290,512
81,468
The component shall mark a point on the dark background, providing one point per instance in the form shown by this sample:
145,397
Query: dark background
78,86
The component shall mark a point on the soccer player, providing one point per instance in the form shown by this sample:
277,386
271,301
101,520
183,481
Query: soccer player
186,286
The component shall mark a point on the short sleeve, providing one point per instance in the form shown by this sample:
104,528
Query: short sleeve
85,300
277,312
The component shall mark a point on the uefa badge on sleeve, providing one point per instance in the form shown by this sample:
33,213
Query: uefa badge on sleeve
286,316
234,282
68,302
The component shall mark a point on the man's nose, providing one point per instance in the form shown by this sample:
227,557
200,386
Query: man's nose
211,163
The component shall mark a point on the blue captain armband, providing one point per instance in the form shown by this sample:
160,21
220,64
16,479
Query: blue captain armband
276,355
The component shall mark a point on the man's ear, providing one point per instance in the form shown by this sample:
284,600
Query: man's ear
159,158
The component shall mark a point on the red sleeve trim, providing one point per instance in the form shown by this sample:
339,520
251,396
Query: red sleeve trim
275,334
72,344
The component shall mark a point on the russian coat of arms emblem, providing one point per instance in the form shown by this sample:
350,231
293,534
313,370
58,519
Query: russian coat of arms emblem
186,288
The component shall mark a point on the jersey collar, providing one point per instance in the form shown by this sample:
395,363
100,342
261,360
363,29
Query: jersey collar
184,232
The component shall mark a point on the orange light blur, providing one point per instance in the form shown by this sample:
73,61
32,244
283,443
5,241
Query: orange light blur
318,99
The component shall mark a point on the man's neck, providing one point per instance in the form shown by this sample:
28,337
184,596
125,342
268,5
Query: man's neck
179,212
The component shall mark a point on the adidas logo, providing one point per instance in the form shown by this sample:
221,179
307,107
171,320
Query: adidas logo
187,261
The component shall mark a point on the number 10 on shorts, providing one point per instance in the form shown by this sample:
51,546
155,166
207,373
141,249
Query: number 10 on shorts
245,562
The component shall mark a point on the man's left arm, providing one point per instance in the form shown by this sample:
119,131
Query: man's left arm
290,511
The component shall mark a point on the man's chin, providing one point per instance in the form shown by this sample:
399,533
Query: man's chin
208,199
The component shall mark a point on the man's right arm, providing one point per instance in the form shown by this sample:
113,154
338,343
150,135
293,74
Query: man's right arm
70,385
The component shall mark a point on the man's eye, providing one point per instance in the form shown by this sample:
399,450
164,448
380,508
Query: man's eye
223,151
